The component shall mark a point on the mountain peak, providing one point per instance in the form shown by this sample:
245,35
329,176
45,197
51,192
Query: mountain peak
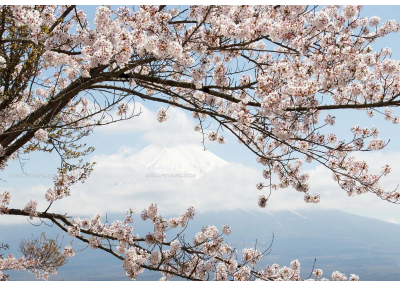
187,160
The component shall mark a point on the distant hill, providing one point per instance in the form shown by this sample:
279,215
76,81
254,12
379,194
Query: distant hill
338,240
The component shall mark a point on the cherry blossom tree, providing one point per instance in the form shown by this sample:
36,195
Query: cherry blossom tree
41,256
263,73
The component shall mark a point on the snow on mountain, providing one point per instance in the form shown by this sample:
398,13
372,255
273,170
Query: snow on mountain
182,160
298,214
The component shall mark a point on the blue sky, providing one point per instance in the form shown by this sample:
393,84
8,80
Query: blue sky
119,141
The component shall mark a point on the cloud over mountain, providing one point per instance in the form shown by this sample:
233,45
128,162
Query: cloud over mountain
176,177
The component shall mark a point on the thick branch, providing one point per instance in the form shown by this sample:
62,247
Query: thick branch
347,106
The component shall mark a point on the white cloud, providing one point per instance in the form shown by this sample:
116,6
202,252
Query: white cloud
142,122
178,129
118,184
7,220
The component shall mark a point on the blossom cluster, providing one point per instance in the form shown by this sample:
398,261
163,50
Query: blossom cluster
5,199
62,184
216,256
30,208
274,107
12,263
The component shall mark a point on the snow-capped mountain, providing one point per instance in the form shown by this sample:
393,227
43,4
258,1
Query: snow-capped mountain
190,160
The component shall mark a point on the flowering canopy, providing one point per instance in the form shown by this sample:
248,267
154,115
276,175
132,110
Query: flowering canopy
260,72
